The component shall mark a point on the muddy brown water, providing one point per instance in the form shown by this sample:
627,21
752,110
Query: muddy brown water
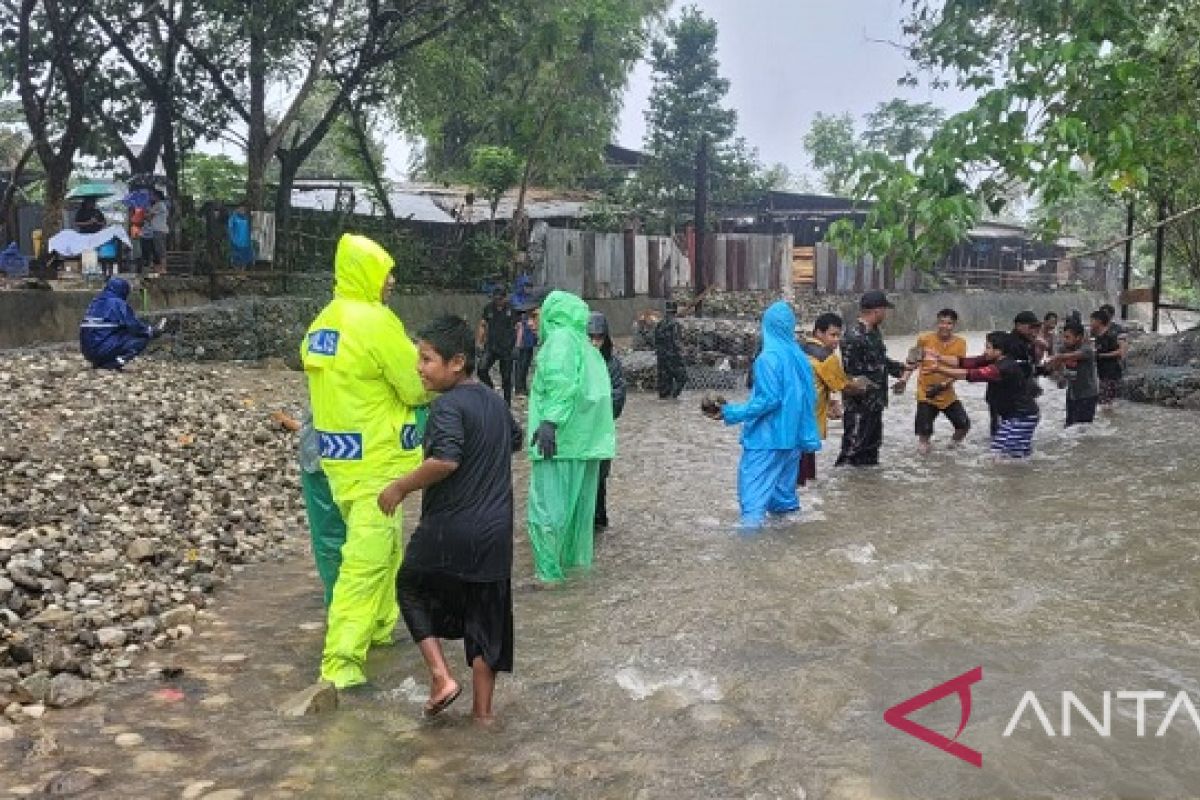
690,662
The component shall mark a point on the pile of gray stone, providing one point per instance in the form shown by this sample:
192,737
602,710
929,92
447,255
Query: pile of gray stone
124,500
1164,369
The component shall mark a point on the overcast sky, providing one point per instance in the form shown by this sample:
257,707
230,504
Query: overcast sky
786,60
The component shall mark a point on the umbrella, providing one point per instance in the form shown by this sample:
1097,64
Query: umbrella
92,190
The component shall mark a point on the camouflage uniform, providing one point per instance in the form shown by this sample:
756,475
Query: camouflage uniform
672,375
864,354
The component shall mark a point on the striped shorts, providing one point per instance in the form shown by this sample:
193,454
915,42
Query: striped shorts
1014,437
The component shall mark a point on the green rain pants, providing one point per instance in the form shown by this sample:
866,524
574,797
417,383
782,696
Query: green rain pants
363,610
326,528
562,511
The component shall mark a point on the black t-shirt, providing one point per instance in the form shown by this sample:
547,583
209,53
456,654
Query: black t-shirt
89,220
501,327
1108,369
466,527
1015,394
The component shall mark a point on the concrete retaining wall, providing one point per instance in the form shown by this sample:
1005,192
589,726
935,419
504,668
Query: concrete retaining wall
266,327
42,316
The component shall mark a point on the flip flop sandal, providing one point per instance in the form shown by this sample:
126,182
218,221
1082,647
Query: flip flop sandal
432,711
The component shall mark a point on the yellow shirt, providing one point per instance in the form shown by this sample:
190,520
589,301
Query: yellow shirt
957,347
830,377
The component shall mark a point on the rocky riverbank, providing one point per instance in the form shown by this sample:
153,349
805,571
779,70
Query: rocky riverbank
125,500
1164,369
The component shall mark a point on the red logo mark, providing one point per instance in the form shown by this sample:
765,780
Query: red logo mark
897,715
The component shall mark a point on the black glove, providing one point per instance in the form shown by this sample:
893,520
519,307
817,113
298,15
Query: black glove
544,439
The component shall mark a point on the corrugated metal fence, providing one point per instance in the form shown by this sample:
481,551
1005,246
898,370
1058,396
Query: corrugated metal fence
594,264
625,265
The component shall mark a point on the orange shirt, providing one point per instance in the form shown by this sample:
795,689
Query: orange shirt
957,347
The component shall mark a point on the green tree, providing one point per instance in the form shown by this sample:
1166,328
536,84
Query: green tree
686,108
208,177
544,78
1069,95
832,146
495,170
52,68
900,128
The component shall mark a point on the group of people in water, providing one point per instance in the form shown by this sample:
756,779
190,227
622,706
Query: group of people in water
795,389
392,415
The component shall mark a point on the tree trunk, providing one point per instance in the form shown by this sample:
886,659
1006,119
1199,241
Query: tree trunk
170,158
358,127
8,203
58,172
290,162
257,157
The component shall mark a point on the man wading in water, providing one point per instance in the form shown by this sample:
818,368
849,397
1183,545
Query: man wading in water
865,355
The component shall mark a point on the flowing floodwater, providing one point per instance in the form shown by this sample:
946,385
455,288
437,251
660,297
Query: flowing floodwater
691,662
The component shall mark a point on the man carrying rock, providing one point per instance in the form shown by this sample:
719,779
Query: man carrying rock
865,355
111,335
364,391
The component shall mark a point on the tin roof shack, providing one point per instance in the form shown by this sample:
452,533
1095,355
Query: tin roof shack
806,217
1004,256
441,204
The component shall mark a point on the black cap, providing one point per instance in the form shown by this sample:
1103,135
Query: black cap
1026,318
874,299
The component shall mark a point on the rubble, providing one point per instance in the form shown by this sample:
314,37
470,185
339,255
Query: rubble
125,501
1163,369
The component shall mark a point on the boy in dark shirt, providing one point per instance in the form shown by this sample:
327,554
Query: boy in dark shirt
1079,359
455,581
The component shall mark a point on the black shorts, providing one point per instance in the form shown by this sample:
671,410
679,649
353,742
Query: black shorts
446,607
1081,410
928,412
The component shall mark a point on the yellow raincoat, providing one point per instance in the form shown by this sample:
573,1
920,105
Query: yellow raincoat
364,390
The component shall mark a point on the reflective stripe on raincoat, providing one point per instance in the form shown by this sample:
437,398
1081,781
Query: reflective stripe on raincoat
571,387
110,325
781,411
362,373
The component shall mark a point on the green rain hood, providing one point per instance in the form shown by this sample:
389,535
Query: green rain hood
571,386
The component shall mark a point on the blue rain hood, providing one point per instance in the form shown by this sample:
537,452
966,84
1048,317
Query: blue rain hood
118,287
110,328
780,413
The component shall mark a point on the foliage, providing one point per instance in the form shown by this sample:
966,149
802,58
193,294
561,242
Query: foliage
1094,92
900,128
218,178
494,170
686,108
12,138
832,146
544,78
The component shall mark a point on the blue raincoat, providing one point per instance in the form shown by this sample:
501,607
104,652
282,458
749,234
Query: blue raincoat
241,246
111,335
779,421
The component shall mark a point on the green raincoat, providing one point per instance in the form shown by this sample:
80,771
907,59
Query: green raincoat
571,388
364,391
